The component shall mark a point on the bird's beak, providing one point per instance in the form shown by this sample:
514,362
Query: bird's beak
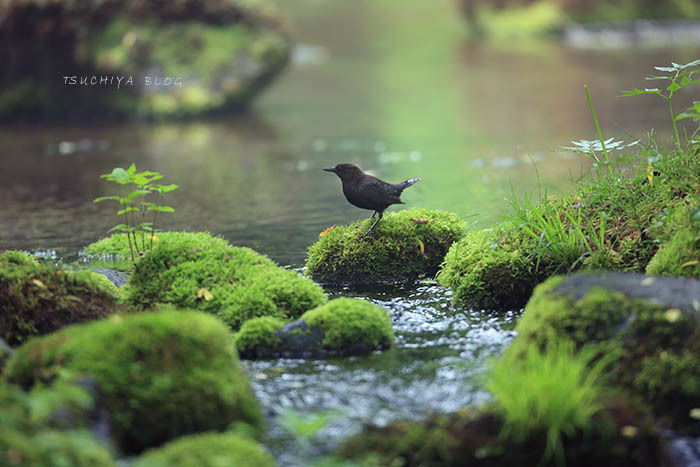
329,169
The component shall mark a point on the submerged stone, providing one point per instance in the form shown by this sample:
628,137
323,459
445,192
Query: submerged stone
404,246
341,327
161,375
207,450
651,323
38,298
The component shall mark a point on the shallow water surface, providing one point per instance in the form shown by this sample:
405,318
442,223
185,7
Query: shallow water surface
436,365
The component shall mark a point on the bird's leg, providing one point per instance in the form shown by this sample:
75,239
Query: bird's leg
381,213
373,214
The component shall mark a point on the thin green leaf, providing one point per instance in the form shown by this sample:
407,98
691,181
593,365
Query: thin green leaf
106,198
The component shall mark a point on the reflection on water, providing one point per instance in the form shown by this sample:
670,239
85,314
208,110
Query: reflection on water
393,89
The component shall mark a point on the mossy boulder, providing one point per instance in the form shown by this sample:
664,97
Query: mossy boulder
404,246
679,254
652,323
203,272
493,269
30,435
207,450
161,374
343,326
156,59
38,298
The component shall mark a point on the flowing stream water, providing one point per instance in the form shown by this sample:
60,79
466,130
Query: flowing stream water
397,90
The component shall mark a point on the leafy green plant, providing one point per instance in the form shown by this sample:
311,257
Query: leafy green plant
593,148
552,391
681,76
134,205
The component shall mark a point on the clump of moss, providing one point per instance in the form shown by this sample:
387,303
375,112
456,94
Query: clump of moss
404,246
343,326
259,332
28,437
347,322
166,374
207,450
203,272
492,270
679,255
655,336
39,299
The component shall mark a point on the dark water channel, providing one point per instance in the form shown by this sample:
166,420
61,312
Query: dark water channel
396,90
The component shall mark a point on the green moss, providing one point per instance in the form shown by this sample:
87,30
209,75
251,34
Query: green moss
549,393
347,322
202,272
679,255
38,298
657,345
258,332
405,245
207,450
492,270
28,438
165,374
17,257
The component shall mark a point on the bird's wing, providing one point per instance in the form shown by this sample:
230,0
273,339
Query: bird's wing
375,188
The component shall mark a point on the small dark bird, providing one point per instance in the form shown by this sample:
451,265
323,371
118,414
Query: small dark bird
368,192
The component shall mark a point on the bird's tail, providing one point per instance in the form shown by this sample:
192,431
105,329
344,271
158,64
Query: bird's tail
408,183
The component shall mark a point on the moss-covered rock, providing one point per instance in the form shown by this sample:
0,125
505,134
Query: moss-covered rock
404,246
257,334
679,254
652,323
162,374
29,437
492,269
343,326
156,59
207,450
39,299
202,272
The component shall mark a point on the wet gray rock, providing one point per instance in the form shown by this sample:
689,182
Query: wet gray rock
683,294
683,451
118,278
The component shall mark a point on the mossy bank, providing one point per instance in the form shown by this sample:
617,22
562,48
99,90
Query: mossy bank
404,246
121,58
165,374
612,223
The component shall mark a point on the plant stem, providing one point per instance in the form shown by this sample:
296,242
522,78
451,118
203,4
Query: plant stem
153,227
597,127
128,235
673,120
